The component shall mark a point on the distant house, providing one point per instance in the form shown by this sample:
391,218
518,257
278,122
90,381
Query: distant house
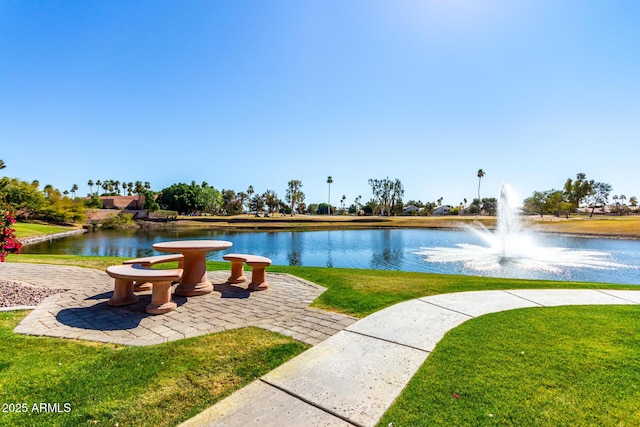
411,210
442,210
130,203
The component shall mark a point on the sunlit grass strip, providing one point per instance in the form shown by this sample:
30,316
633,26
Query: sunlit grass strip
624,226
28,230
362,292
562,366
104,384
97,262
357,292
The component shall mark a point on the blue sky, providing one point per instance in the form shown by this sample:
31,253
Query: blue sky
248,92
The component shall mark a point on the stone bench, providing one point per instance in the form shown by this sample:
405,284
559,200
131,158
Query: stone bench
149,261
258,265
161,280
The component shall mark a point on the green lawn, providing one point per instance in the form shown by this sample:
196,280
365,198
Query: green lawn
104,384
545,366
24,229
560,366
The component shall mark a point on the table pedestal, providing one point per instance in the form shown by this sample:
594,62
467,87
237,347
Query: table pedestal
194,277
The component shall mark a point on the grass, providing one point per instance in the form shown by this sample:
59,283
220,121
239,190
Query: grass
625,226
362,292
561,366
544,366
27,229
97,262
357,292
304,222
106,384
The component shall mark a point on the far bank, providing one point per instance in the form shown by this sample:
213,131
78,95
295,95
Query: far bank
624,227
627,227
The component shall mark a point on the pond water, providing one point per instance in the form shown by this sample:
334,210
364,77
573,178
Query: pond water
618,261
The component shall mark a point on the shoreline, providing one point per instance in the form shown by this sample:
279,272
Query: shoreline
42,237
627,227
624,228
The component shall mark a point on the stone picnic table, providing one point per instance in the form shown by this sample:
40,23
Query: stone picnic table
194,277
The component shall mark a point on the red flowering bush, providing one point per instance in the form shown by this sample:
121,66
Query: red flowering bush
8,242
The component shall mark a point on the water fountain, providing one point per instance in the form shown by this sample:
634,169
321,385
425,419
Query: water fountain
512,250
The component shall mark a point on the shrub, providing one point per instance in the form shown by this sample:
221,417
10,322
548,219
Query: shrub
8,242
121,220
94,202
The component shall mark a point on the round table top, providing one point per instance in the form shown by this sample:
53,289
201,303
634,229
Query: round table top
192,245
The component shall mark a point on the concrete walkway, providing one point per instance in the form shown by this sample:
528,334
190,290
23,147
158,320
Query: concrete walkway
353,377
349,378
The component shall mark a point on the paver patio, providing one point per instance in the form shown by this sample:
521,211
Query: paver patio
82,312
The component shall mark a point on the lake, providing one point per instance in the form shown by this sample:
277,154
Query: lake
605,260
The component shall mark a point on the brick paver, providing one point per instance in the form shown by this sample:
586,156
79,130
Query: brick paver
82,311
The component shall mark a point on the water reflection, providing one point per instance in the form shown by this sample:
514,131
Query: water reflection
329,250
295,253
389,252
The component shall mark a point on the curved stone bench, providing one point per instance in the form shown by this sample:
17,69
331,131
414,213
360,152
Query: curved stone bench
258,265
125,275
149,261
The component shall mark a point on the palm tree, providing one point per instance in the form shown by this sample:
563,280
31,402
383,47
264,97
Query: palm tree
48,190
74,188
99,184
480,175
90,184
250,192
329,181
138,189
2,165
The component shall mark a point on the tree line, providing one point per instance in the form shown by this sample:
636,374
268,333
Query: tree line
577,193
50,204
29,201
